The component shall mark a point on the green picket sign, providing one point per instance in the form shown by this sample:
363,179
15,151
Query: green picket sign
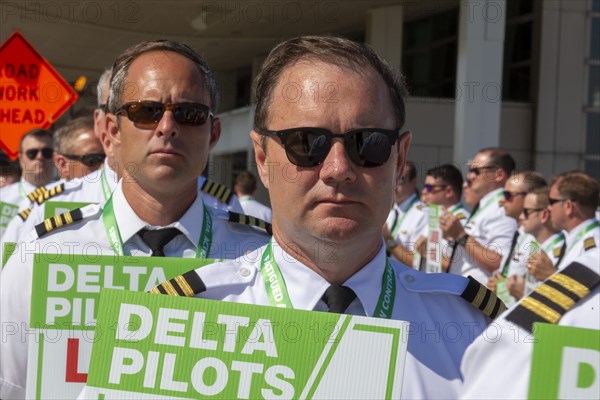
8,248
7,212
52,208
65,298
152,346
565,363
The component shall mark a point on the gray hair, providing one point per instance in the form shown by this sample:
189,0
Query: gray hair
103,82
128,56
333,50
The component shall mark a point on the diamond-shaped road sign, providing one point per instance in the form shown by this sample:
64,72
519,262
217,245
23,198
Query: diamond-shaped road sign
32,93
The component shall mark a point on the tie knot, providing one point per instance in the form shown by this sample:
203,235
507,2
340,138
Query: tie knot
158,239
338,298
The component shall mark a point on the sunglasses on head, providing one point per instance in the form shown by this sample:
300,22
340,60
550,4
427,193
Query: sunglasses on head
429,188
308,147
528,211
46,153
147,114
89,160
477,170
509,195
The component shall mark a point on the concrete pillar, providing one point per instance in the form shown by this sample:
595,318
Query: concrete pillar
478,77
384,33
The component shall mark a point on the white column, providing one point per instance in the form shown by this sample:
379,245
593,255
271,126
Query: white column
478,77
384,33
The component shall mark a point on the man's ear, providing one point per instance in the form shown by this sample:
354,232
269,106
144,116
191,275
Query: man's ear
61,163
215,132
112,129
403,145
260,156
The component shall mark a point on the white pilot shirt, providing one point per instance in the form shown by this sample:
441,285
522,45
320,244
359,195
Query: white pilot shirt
87,189
577,246
255,208
229,240
16,194
428,301
525,247
462,214
490,227
497,365
408,220
232,205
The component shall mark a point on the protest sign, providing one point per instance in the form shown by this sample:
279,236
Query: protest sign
157,346
433,263
65,294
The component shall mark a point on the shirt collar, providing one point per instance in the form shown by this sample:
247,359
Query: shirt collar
129,223
298,277
573,234
551,238
404,205
490,194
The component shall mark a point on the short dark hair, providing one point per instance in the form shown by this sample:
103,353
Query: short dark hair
542,196
66,135
37,133
531,180
500,158
246,182
580,188
129,55
342,52
448,174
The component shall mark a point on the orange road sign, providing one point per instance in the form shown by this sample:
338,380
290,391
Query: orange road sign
32,93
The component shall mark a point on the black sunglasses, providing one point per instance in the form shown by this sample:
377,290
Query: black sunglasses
89,160
552,201
308,147
147,114
528,211
46,153
509,195
477,170
429,188
103,107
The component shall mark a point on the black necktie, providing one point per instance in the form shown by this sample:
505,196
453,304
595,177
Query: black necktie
338,298
456,244
158,239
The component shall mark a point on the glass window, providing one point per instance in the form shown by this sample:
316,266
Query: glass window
595,39
594,85
592,167
516,79
593,133
596,5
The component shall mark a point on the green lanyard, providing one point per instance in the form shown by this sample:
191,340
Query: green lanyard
491,200
399,223
279,297
105,186
116,243
559,238
455,208
592,225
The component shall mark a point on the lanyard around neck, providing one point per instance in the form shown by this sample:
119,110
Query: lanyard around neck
116,242
105,186
279,296
559,238
589,227
489,201
404,214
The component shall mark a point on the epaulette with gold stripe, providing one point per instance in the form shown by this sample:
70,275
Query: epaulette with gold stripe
221,192
56,190
57,221
483,298
460,216
556,251
250,221
25,213
553,298
589,243
37,193
188,285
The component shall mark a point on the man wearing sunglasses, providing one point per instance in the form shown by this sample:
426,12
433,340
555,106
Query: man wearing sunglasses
331,165
37,171
523,245
163,131
78,151
407,220
572,202
488,233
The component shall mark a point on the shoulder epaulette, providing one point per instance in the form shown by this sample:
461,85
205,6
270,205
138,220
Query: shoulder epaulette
589,243
188,285
553,298
483,298
250,221
461,215
556,251
56,190
420,206
25,213
57,221
37,193
221,192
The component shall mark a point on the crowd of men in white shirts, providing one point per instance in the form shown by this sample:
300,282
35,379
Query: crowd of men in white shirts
502,228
